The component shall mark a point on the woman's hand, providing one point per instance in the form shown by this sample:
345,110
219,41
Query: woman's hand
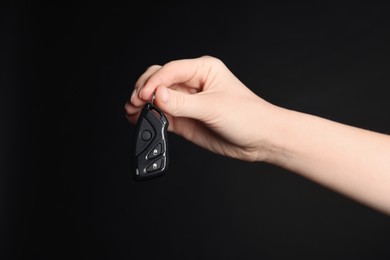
206,104
209,106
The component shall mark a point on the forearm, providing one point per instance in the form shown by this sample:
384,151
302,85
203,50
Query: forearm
350,160
209,106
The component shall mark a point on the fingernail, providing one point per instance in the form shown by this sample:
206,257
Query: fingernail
140,93
164,95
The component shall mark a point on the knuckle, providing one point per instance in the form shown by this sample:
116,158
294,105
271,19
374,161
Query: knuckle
153,67
211,59
155,80
211,62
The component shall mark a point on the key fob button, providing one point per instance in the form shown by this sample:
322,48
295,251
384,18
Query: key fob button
146,135
155,166
156,151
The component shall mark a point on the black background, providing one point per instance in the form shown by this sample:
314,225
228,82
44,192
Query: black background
66,73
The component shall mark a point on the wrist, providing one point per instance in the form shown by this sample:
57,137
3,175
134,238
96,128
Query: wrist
277,125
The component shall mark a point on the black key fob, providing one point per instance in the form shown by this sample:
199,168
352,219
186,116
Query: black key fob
150,145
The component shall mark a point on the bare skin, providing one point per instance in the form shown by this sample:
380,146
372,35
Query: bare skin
207,105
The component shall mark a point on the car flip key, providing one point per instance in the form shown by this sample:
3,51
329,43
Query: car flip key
150,145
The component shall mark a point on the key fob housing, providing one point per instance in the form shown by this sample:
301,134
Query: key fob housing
150,144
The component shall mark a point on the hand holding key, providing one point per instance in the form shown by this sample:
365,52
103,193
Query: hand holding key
206,104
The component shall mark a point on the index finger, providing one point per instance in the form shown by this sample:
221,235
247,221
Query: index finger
191,72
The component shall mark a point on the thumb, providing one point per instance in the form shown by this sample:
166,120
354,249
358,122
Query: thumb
178,104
